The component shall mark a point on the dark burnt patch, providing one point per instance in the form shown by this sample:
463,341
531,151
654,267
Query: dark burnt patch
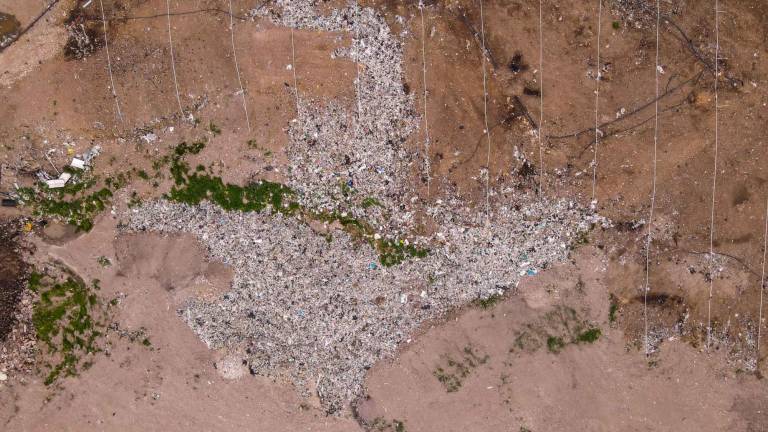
9,29
85,32
516,64
627,226
529,90
661,300
526,170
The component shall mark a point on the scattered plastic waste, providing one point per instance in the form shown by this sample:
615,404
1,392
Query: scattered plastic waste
77,163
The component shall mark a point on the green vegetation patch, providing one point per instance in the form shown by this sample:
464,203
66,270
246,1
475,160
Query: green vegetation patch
613,309
555,344
393,252
63,318
488,302
78,210
558,328
452,373
589,336
142,174
380,424
192,187
77,203
371,202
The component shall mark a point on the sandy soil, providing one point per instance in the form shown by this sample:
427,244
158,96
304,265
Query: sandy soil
172,384
598,387
609,385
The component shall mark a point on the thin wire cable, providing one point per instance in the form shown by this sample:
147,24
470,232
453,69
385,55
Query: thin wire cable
653,187
714,182
541,99
597,104
485,115
762,287
109,62
173,59
427,164
293,68
237,66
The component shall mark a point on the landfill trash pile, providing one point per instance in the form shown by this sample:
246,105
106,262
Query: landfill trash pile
311,309
19,347
320,310
335,153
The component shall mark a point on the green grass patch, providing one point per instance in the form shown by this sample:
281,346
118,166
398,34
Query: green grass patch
488,302
77,203
589,336
393,252
192,187
380,424
370,202
78,211
555,344
452,373
64,323
612,310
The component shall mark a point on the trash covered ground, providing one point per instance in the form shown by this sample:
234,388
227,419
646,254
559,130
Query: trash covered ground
361,254
333,150
322,309
17,338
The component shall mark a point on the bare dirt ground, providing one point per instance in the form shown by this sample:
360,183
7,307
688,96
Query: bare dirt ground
483,368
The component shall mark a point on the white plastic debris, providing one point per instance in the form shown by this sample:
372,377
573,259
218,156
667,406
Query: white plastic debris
90,154
149,137
55,183
78,163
